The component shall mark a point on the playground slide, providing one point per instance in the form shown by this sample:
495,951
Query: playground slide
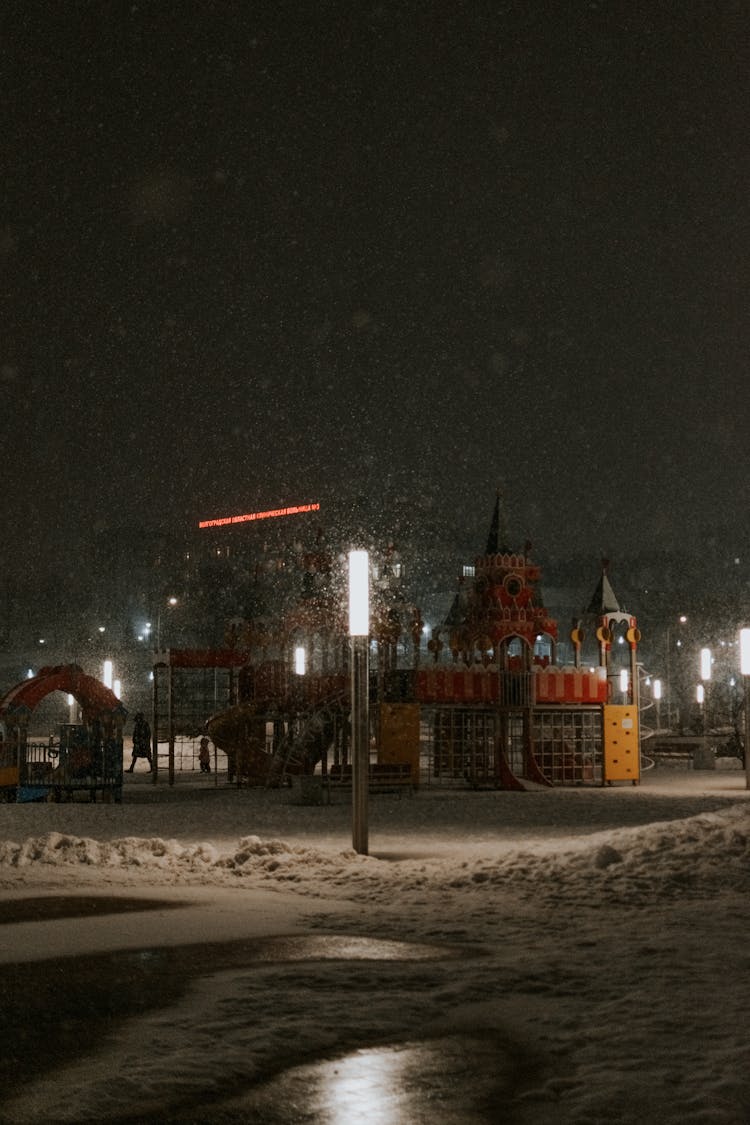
240,733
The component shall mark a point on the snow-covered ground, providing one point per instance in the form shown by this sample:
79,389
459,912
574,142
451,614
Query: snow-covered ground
552,956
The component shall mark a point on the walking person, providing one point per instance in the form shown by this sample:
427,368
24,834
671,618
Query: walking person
141,741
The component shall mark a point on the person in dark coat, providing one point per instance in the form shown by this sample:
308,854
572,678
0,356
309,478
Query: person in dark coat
141,741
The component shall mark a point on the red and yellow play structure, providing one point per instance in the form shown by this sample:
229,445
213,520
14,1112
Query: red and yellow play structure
86,759
487,705
484,704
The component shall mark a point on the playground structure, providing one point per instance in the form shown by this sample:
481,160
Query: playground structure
86,758
486,705
270,724
488,708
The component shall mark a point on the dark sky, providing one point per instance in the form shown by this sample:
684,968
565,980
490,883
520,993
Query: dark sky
380,255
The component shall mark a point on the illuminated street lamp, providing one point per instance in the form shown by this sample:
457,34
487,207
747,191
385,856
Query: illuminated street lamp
672,710
171,601
705,667
359,633
745,670
705,664
656,691
700,698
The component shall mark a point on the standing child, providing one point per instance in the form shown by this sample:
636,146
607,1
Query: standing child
204,755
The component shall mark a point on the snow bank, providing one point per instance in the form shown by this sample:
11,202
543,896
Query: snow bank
629,863
603,971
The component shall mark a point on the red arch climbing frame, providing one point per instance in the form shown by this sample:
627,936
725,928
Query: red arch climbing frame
95,699
92,761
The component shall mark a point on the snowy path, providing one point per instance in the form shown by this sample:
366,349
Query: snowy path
602,974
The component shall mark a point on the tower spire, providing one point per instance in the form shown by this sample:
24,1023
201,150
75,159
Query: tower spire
603,599
496,540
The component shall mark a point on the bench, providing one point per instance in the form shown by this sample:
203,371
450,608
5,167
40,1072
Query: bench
384,777
680,752
110,790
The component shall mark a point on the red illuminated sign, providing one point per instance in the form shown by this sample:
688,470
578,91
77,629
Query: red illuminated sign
250,517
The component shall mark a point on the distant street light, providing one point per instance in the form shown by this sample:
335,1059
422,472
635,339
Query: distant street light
171,601
705,664
745,670
359,633
656,691
672,694
700,697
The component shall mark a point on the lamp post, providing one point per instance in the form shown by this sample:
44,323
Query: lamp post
656,691
705,666
671,693
700,699
745,669
172,601
359,634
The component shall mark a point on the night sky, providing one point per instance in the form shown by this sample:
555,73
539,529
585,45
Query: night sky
385,256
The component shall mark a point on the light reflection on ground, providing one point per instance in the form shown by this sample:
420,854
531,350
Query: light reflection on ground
93,993
439,1081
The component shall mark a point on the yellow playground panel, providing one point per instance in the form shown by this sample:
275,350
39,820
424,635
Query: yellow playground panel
622,760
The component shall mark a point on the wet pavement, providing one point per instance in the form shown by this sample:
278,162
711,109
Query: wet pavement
57,1010
451,1080
47,908
437,1081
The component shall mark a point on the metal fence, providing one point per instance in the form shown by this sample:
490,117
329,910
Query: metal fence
62,770
568,745
463,746
476,746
